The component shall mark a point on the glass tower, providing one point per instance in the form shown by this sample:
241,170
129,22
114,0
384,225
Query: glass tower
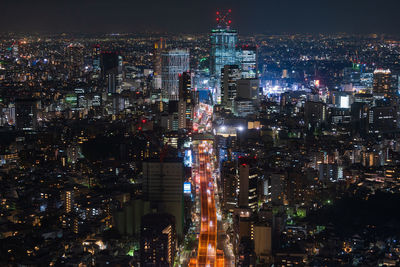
223,52
174,62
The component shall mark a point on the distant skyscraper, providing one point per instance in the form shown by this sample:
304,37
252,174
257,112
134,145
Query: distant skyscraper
174,62
157,240
110,70
159,47
247,57
186,103
96,57
383,83
229,76
223,50
74,53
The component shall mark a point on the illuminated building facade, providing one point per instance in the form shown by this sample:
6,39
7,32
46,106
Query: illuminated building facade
247,57
74,53
383,83
230,74
223,50
159,47
174,62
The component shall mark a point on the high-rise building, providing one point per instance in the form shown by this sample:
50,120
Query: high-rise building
157,240
223,50
278,188
229,185
248,179
163,187
74,53
382,119
68,200
383,84
173,62
159,47
247,57
186,102
248,88
315,113
110,70
229,76
96,58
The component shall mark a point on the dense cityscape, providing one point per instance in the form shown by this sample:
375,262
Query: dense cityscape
214,149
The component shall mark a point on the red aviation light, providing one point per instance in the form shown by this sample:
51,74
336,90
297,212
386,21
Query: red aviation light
229,21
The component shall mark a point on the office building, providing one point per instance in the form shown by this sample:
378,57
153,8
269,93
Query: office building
382,119
248,88
383,84
248,179
229,76
110,70
96,54
186,101
74,54
174,62
159,48
223,52
163,187
315,113
247,57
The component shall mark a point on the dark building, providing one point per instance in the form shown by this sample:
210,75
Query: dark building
248,179
315,113
109,70
26,113
186,103
157,240
359,118
229,76
74,53
382,119
163,187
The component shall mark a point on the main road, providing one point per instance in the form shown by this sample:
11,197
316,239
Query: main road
204,176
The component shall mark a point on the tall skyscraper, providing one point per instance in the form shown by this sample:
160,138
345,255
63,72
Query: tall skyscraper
74,53
247,57
96,57
229,76
110,70
173,62
159,47
383,83
223,50
157,240
186,102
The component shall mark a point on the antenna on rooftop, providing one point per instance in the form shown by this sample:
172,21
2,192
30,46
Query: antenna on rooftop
223,19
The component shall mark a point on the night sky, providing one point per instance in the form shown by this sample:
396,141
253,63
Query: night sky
256,16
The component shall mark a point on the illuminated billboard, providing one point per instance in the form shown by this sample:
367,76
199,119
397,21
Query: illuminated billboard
187,188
